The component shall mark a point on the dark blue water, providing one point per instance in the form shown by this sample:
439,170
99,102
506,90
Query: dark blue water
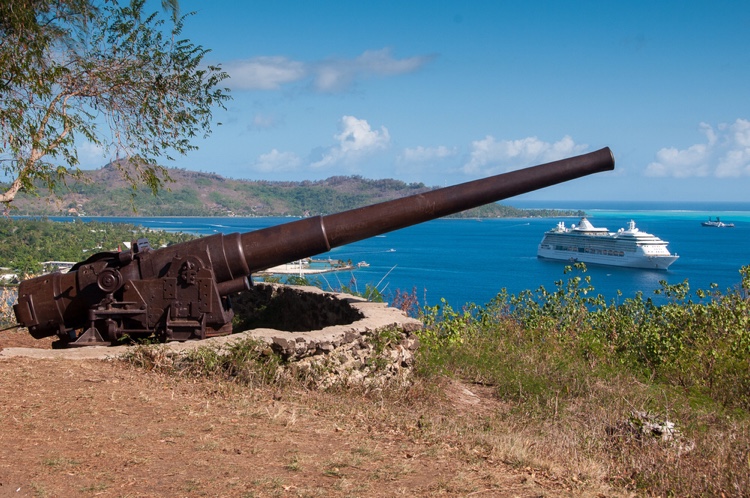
472,260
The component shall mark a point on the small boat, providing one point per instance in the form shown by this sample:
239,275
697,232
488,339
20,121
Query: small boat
717,223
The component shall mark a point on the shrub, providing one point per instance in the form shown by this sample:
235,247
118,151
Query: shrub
574,369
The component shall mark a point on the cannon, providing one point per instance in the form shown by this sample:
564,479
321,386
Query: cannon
182,292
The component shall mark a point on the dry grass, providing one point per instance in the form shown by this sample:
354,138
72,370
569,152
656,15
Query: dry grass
448,420
589,441
106,429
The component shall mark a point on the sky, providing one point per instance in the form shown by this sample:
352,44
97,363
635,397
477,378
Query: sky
444,92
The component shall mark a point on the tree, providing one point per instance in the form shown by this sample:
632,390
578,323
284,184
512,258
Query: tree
104,72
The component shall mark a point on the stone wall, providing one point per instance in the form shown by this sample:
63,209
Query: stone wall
355,341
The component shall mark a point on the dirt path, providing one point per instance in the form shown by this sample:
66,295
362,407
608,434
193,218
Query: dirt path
101,428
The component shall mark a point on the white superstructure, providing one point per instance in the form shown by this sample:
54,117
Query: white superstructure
588,244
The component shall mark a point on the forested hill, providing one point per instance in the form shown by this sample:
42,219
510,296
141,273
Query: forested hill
104,193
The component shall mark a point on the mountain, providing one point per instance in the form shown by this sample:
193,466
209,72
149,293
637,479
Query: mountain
103,192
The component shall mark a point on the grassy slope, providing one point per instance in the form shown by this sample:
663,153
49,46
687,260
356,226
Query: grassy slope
105,193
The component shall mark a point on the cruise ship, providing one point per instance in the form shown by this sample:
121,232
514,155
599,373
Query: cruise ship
588,244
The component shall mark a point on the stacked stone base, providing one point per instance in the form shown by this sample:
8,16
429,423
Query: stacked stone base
378,346
356,342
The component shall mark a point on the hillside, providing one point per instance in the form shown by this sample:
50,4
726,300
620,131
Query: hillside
103,192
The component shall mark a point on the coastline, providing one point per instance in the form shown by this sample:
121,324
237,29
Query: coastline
470,260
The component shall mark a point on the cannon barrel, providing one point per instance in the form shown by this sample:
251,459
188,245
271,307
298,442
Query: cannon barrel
180,292
289,242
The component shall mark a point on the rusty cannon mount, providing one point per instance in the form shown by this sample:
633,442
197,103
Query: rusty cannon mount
182,292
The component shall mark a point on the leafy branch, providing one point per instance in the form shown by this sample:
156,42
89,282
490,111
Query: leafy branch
110,75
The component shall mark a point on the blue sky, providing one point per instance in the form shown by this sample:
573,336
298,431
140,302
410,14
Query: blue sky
444,92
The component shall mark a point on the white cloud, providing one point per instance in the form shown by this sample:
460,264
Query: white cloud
276,161
264,73
680,163
356,140
725,154
335,75
91,155
264,121
421,154
489,156
741,132
328,76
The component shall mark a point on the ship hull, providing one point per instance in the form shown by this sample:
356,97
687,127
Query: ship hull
634,261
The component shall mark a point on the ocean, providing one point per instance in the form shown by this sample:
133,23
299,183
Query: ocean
471,260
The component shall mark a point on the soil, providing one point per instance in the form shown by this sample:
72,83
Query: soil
104,428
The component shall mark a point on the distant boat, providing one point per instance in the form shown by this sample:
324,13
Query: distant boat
717,223
588,244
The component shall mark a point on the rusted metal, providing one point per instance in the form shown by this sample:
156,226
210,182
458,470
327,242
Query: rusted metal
182,292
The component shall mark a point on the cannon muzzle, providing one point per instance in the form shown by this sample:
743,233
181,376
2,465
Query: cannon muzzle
180,292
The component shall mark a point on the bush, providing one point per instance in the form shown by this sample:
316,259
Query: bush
575,368
701,346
